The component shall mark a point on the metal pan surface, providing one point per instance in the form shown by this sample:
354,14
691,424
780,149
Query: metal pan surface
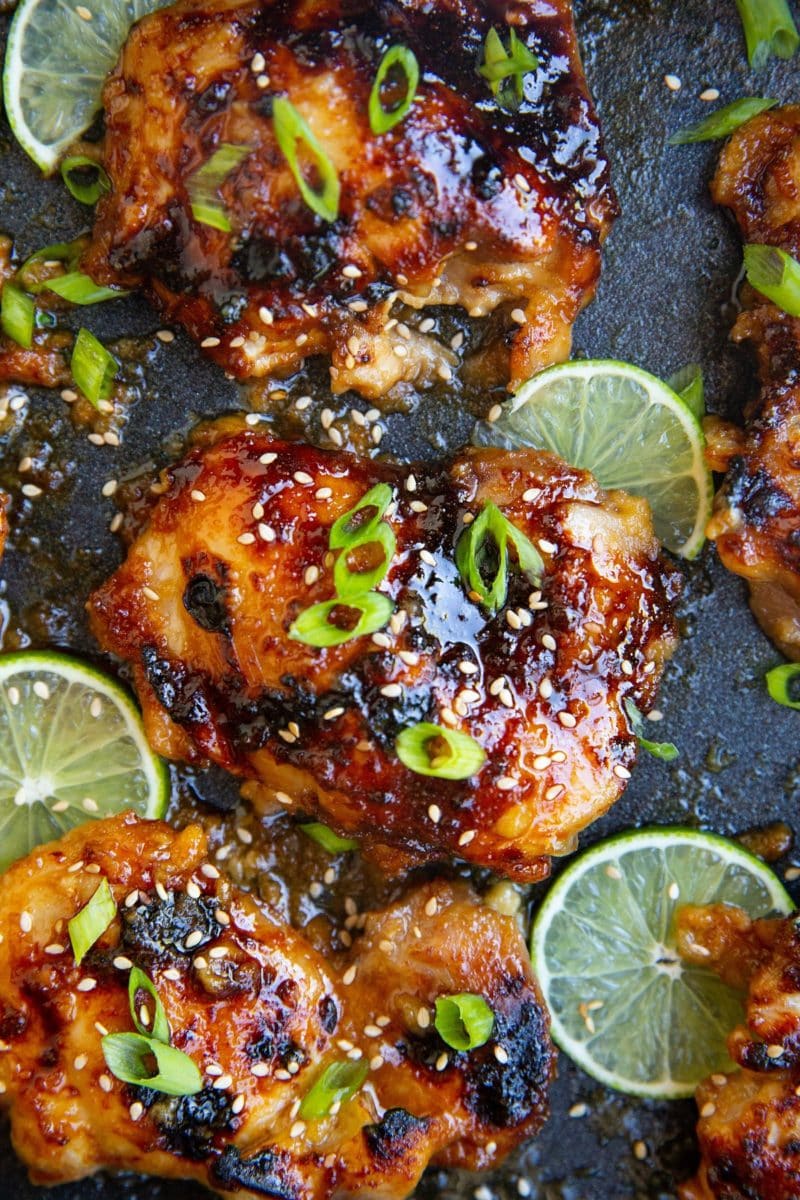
666,299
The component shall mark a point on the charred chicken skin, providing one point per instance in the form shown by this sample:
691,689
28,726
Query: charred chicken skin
262,1015
471,200
756,524
237,548
749,1128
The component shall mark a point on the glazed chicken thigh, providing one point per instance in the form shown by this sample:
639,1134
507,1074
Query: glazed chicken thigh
756,523
263,1016
493,203
749,1128
210,605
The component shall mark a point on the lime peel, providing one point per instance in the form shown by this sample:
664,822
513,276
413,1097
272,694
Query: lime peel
624,1006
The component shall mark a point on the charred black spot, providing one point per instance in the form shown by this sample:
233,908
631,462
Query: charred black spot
754,492
402,202
154,931
262,260
486,177
328,1013
178,692
214,98
204,600
505,1095
13,1023
392,1137
269,1173
232,308
264,106
189,1124
754,1057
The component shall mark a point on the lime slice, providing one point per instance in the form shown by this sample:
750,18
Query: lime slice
72,748
56,64
626,427
624,1006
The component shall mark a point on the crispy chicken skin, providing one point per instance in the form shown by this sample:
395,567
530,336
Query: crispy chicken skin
756,523
237,547
463,202
262,1014
749,1130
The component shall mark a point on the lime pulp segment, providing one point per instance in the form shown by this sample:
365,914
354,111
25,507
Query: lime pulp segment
72,748
57,59
624,1006
626,427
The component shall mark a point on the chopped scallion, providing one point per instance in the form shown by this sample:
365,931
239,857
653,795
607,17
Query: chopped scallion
723,122
382,119
666,751
158,1027
17,315
291,128
500,65
67,253
326,838
776,275
87,926
204,185
434,750
783,684
464,1022
688,383
376,550
482,556
768,29
93,367
86,179
350,528
131,1057
336,621
337,1083
78,288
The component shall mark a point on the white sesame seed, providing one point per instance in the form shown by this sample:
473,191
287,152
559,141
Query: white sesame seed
640,1150
165,335
673,891
266,532
427,557
567,720
578,1110
708,1109
54,948
131,898
548,641
260,1070
209,342
411,483
87,985
298,1129
223,1083
709,94
432,907
673,83
435,813
522,182
246,539
41,689
554,792
193,939
349,976
83,12
518,316
621,772
80,1061
351,271
106,1083
136,1110
25,922
441,1062
391,690
466,837
545,688
774,1051
506,782
506,698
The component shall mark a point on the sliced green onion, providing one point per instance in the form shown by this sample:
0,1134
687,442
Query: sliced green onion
768,29
349,582
17,315
87,926
78,288
93,367
723,122
776,275
464,1021
483,548
349,530
326,838
500,65
381,120
60,252
666,751
74,171
337,1083
783,684
159,1025
315,627
291,128
434,750
132,1056
688,383
204,185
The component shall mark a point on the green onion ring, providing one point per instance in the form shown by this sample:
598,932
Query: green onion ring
381,120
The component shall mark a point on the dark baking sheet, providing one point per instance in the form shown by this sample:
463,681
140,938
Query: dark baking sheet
665,300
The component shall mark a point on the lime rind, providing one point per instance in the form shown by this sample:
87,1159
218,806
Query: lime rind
70,752
657,1027
55,67
625,426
